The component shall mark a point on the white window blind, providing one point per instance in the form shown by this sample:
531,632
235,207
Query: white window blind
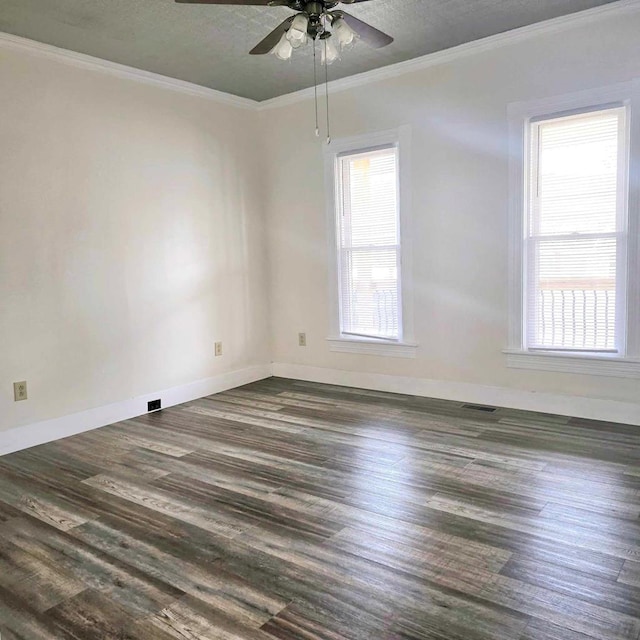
575,232
369,243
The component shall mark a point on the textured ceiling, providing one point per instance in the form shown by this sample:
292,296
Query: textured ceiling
209,45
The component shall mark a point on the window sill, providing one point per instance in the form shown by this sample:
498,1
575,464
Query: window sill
372,347
589,364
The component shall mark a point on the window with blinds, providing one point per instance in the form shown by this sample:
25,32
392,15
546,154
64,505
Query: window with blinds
575,232
368,238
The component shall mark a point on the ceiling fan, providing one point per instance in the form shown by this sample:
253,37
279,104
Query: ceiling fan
315,20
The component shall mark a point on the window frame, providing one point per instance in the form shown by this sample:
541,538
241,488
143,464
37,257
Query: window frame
405,346
626,362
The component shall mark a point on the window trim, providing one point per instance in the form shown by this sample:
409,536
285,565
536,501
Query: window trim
521,115
343,343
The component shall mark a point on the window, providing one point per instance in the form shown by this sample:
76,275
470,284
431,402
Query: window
574,253
576,232
369,262
369,244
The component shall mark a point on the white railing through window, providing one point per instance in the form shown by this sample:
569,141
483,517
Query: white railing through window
578,319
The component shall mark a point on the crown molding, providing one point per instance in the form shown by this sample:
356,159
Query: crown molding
467,49
72,58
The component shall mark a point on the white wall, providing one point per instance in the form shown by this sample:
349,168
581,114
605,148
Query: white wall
131,239
458,115
135,223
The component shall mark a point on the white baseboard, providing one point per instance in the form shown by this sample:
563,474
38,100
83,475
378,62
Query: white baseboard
575,406
49,430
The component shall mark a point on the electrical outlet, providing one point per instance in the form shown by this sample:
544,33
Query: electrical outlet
154,405
218,349
302,339
20,391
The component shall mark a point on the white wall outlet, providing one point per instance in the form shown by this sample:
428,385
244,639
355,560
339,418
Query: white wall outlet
302,339
20,391
218,349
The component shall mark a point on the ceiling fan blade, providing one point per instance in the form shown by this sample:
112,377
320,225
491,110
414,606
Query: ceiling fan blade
369,34
272,39
263,3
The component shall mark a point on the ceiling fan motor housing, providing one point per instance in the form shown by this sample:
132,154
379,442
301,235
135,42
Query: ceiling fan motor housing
314,9
306,6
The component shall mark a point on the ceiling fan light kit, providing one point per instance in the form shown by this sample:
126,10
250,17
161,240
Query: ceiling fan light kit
330,53
345,34
297,33
284,49
334,33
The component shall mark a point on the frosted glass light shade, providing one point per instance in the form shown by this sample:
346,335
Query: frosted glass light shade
329,50
345,34
283,50
297,33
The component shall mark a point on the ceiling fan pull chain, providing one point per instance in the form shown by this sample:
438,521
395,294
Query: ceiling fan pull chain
326,82
315,87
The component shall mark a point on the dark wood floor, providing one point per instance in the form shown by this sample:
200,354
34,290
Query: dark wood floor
300,511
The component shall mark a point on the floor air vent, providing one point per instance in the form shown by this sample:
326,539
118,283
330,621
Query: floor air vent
479,407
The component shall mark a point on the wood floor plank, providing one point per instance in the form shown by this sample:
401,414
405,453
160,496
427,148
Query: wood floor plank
576,584
293,510
246,509
188,618
93,616
20,621
314,622
34,579
164,502
565,611
86,568
630,574
421,556
30,497
438,591
620,524
618,546
539,629
239,598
